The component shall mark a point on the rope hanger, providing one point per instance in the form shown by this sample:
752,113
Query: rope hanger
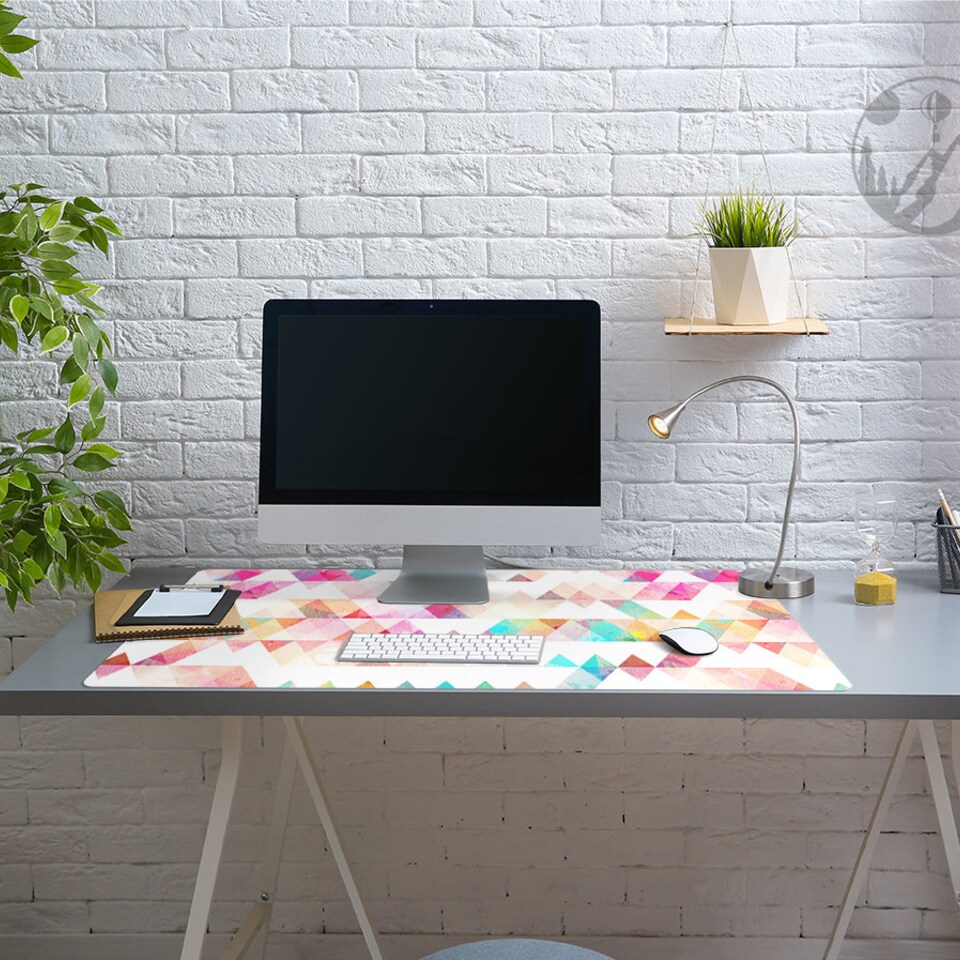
729,31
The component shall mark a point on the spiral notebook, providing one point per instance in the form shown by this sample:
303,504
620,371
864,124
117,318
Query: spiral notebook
111,606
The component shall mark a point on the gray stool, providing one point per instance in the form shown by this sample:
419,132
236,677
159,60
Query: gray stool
516,950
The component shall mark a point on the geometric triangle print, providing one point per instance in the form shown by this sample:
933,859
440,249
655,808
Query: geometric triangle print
598,667
600,630
582,680
637,668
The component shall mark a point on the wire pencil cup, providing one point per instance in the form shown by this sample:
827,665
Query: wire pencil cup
948,556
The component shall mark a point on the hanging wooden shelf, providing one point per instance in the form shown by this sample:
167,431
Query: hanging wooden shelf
679,326
683,326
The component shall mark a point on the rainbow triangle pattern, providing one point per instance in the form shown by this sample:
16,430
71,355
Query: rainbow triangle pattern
600,626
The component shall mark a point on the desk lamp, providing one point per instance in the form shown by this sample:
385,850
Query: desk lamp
782,582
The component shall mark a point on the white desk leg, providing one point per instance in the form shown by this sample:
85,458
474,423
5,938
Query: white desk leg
322,803
213,841
941,800
955,751
253,931
870,839
278,829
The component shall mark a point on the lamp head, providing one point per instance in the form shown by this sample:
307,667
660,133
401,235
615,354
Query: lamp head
661,424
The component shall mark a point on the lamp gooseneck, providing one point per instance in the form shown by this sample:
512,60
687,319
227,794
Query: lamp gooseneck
661,425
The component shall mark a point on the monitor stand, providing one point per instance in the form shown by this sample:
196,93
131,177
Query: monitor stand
439,575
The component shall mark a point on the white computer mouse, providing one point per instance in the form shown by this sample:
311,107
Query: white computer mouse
690,640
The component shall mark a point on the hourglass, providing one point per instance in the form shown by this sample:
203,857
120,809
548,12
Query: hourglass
875,579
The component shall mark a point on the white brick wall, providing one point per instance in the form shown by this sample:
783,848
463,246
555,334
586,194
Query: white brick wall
512,148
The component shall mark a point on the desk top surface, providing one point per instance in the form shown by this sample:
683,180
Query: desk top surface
903,661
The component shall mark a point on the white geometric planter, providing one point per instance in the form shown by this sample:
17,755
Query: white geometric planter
750,284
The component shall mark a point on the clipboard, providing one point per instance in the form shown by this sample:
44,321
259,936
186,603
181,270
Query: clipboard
216,615
110,605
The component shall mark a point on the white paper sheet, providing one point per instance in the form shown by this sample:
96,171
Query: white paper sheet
178,603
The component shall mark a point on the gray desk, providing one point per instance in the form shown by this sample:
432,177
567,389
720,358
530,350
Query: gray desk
903,663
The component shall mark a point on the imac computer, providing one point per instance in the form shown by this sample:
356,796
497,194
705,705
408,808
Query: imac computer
439,425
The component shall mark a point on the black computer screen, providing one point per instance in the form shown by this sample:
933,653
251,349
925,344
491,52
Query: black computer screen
431,402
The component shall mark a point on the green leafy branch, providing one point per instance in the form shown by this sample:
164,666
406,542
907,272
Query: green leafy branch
50,526
11,42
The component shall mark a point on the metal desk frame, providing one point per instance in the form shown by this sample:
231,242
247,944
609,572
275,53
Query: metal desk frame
901,661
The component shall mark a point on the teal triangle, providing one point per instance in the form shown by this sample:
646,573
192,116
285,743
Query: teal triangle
561,661
446,685
406,685
598,667
582,680
638,611
605,630
485,686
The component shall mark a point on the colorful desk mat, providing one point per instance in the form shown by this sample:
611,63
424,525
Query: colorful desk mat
601,629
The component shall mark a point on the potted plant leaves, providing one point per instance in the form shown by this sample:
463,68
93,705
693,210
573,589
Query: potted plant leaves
748,236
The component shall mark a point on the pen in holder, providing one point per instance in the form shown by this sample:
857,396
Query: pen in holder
948,556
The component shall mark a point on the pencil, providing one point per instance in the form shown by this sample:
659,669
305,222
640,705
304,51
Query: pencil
948,513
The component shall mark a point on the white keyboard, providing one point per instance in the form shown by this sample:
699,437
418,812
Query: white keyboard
441,648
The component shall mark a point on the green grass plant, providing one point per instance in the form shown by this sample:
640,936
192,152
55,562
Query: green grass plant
747,219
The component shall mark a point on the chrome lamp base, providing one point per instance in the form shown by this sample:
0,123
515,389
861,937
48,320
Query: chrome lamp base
789,582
